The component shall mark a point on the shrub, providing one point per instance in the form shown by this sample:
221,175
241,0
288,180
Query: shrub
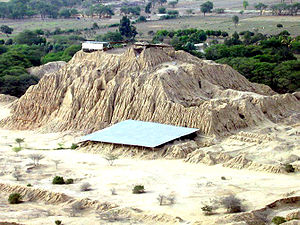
219,10
114,25
279,25
113,191
278,220
58,180
17,149
29,185
14,198
69,181
173,12
74,146
85,187
232,204
111,158
207,210
289,168
36,158
162,10
58,222
166,200
76,208
138,189
223,178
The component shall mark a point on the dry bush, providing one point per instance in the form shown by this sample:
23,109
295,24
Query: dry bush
166,200
111,216
17,173
85,187
36,158
207,209
113,191
76,209
56,162
111,158
232,204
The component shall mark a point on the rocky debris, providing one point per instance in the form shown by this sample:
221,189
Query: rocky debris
293,215
35,194
292,222
238,162
40,71
180,150
7,98
9,223
98,89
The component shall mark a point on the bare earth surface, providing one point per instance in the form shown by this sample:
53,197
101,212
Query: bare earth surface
192,184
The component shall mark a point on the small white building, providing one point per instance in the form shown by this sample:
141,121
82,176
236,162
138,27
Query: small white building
89,46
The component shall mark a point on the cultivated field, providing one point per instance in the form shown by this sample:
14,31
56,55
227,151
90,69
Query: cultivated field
264,24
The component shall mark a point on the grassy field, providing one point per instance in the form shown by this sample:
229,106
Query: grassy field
251,21
264,24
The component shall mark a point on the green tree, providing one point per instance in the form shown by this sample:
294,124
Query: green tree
19,141
110,37
65,13
173,3
126,29
148,8
162,10
6,30
206,7
261,7
102,10
29,38
235,20
161,2
245,4
287,76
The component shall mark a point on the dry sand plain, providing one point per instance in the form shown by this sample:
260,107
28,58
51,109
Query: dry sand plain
192,184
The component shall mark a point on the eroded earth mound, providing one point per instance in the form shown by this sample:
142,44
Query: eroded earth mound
97,89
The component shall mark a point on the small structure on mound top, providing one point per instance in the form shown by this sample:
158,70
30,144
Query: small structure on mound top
140,133
90,46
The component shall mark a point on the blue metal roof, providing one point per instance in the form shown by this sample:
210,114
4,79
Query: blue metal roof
139,133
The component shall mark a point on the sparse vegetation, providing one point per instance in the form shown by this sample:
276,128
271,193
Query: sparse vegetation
58,180
208,210
289,168
278,220
138,189
19,141
17,149
111,158
56,162
232,204
69,181
74,146
76,208
14,198
17,173
58,222
166,200
60,146
113,191
85,187
36,158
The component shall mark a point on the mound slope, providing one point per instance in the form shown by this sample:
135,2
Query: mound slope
97,89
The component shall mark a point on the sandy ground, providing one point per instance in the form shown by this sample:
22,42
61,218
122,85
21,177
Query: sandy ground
192,184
